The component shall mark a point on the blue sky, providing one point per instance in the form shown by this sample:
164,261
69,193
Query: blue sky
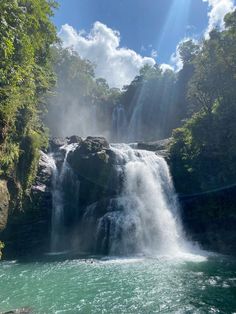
148,31
144,25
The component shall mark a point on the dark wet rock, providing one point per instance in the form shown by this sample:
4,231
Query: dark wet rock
163,153
28,230
93,145
91,160
156,146
74,139
57,142
4,204
94,163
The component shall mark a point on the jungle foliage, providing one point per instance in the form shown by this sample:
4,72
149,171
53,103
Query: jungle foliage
203,151
27,34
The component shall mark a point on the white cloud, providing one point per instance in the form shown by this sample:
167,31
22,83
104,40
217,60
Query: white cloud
165,67
218,9
101,45
154,53
175,58
176,61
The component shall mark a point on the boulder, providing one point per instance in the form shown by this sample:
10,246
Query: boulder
156,146
4,204
57,142
93,145
94,163
74,139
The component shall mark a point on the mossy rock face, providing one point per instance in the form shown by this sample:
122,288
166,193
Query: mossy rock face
4,204
28,228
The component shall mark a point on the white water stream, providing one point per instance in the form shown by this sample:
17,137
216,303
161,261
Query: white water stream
57,223
143,219
147,220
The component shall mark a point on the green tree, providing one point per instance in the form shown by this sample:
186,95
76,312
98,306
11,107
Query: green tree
204,150
188,51
27,34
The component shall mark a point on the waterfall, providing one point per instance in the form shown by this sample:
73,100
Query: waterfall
141,216
145,218
135,124
57,222
119,123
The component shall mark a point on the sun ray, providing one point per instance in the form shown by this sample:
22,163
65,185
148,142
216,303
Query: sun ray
176,21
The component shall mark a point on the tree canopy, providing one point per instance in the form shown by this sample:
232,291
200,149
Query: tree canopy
204,151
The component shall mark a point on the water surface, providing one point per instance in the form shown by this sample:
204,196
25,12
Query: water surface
136,285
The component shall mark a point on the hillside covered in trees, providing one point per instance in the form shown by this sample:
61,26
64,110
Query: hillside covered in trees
203,150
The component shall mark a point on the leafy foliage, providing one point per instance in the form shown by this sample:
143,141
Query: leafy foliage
27,34
204,150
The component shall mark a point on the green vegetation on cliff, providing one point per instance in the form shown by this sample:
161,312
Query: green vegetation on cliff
27,34
203,152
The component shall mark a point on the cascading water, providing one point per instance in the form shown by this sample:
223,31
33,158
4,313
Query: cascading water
141,217
134,129
146,218
119,123
58,177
